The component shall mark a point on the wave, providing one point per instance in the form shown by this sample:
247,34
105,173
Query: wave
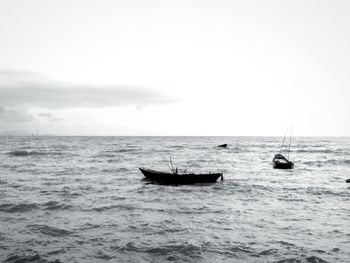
19,153
325,191
270,251
125,150
177,147
28,258
17,208
107,155
191,251
315,151
49,230
185,249
311,259
103,208
53,205
327,162
26,207
112,153
314,259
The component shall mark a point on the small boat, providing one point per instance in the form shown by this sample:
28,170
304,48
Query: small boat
222,145
180,178
347,180
281,162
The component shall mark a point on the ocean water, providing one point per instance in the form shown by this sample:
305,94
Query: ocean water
83,199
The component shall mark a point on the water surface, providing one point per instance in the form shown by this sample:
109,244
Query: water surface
83,199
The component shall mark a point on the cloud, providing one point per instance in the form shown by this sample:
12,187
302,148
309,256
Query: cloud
20,88
15,116
45,114
48,116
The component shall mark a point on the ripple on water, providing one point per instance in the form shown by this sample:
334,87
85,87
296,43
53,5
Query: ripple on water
116,206
327,163
185,249
311,259
22,153
49,230
17,208
20,258
54,205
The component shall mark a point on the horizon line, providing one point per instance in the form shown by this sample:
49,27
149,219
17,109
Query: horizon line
76,135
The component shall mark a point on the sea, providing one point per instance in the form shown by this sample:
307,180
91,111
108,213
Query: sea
83,199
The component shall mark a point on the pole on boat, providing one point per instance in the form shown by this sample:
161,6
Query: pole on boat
166,163
190,165
171,163
290,140
285,133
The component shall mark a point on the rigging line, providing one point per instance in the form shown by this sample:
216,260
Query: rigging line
166,163
190,165
171,163
285,133
290,140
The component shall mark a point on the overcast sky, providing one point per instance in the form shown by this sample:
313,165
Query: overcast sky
209,67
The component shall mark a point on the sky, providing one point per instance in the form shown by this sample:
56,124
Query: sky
210,67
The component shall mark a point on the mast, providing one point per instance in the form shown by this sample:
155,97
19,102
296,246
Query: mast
171,164
166,163
290,141
285,133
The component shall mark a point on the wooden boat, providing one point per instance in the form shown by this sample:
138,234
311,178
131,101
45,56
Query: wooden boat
281,162
180,178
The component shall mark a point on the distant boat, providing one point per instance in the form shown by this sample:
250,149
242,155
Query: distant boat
180,178
223,145
347,180
279,160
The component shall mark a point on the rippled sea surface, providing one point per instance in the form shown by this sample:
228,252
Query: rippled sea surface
83,199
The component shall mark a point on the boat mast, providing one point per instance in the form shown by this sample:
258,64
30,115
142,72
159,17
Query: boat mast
290,141
166,163
285,133
171,163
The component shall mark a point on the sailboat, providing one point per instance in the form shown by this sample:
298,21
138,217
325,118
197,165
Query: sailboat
279,160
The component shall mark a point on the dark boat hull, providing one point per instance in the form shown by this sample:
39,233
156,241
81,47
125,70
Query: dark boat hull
282,165
170,178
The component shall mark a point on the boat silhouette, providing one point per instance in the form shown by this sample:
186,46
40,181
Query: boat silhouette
279,160
176,177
